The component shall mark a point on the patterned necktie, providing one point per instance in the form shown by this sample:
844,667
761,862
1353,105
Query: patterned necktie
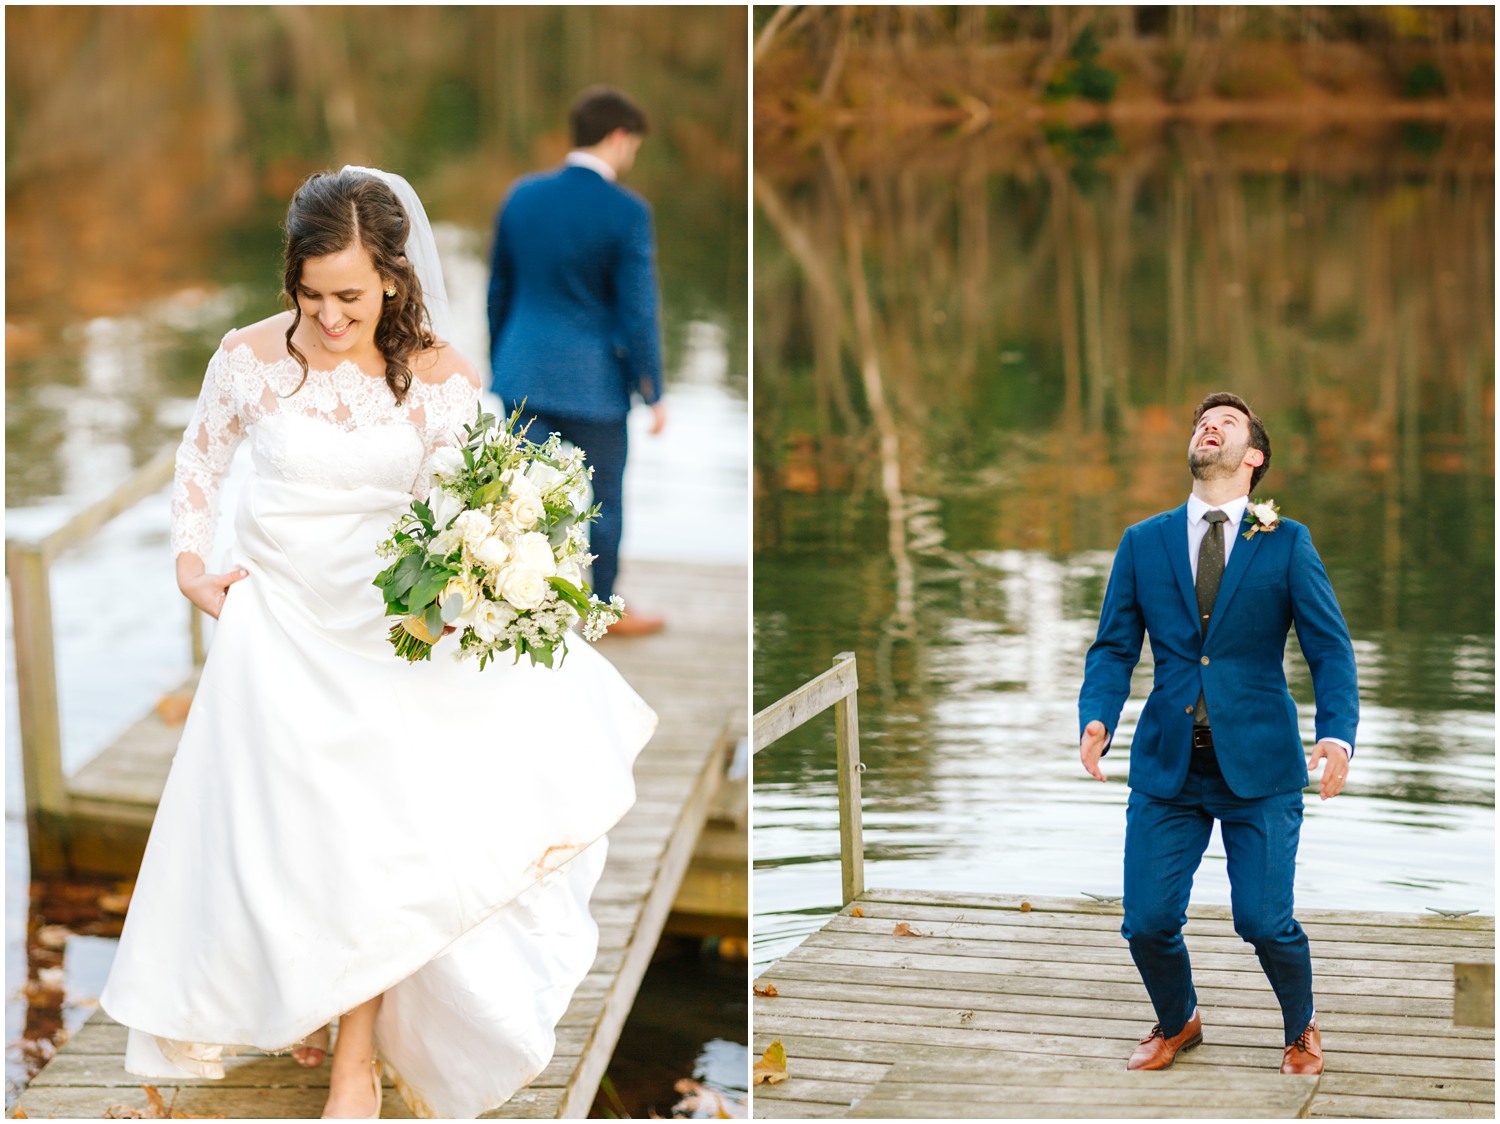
1210,574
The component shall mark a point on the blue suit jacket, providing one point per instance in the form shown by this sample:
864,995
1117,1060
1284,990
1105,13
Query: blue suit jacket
573,302
1274,580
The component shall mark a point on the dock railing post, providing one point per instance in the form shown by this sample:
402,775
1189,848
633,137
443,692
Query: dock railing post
851,827
27,563
36,696
838,687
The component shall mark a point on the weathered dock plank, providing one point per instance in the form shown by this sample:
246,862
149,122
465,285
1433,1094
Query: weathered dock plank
694,674
880,1025
1012,1091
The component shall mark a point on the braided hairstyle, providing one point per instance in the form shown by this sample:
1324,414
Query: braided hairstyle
332,211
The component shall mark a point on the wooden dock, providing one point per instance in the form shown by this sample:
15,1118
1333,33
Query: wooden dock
999,992
694,674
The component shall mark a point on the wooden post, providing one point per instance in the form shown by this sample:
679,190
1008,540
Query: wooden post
851,830
1474,995
36,690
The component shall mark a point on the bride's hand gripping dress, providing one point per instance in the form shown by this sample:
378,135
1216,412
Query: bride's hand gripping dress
340,824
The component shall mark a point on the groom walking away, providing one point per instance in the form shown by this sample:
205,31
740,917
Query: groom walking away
573,310
1217,587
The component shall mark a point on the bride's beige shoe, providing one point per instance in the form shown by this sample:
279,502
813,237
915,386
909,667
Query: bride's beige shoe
375,1076
314,1043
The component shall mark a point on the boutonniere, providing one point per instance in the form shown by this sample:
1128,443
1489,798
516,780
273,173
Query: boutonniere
1262,515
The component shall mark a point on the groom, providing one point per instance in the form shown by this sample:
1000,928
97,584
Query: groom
573,311
1218,737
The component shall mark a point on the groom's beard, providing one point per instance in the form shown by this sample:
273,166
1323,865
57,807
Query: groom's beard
1208,463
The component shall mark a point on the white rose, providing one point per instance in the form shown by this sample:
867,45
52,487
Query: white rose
533,552
543,476
468,592
517,483
523,588
445,505
474,527
447,462
492,619
1265,513
570,570
492,553
526,510
444,542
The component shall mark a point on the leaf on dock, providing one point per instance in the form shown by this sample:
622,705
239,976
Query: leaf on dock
1025,907
769,991
156,1109
902,929
856,912
772,1065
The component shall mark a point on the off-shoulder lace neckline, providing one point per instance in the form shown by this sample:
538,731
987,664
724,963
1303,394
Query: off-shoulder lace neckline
358,370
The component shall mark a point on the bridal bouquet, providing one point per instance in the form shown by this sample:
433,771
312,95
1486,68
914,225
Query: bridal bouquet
497,552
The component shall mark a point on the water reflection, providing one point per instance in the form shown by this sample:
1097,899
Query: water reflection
975,365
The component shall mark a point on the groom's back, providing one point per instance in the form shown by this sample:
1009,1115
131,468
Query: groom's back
561,241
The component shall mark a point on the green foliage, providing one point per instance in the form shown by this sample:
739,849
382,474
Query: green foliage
1423,80
1082,76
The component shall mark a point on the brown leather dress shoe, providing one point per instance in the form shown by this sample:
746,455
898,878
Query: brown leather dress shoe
1304,1056
636,624
1157,1051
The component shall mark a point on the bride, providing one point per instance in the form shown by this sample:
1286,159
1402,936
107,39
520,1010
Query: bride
408,849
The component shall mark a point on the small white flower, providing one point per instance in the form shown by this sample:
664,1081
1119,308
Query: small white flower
1265,513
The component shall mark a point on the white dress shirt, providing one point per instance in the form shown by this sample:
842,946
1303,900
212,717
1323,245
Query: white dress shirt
593,163
1197,527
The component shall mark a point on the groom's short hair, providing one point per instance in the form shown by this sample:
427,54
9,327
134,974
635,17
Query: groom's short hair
1259,438
599,111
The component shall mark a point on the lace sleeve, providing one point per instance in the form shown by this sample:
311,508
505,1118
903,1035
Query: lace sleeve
207,447
449,407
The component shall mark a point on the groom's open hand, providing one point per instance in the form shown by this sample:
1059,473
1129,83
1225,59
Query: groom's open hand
1335,771
1091,748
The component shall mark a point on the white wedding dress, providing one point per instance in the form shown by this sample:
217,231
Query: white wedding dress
339,824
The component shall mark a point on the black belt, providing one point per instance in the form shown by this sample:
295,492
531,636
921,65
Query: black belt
1204,761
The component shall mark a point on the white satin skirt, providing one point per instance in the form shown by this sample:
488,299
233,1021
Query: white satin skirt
339,825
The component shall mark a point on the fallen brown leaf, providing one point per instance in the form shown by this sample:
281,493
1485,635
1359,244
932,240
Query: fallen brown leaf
902,929
19,1114
772,1065
856,912
966,1016
769,991
1025,907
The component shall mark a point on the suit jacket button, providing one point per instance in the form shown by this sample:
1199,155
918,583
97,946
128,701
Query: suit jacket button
1204,661
1187,710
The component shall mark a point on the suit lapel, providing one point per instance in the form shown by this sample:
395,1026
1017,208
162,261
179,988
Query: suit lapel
1174,539
1239,562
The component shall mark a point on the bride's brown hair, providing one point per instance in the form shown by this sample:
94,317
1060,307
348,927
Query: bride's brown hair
333,211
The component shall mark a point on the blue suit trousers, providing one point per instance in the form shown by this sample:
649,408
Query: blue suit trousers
1164,844
604,444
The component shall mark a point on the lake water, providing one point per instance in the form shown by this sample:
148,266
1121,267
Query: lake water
950,440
